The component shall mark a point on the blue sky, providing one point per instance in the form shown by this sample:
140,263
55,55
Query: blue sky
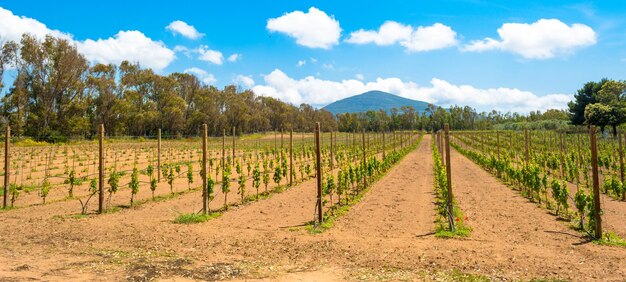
504,55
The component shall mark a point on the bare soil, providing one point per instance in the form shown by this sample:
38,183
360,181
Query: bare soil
389,235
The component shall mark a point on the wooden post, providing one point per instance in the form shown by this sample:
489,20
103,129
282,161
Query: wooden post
7,166
291,157
562,157
596,183
442,146
526,142
101,169
233,160
449,176
383,144
364,160
498,143
205,194
621,162
332,155
159,155
223,148
318,168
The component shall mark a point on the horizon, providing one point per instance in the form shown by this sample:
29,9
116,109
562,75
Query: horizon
518,59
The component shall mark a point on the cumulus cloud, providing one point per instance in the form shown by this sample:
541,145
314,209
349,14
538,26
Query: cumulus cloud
201,74
234,57
12,27
420,39
244,80
543,39
301,63
320,92
131,45
208,55
184,29
314,29
182,49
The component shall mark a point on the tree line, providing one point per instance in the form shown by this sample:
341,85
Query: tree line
459,118
601,103
56,94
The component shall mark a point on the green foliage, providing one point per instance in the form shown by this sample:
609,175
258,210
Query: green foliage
210,187
72,181
256,178
45,189
226,184
580,201
14,191
113,181
242,186
191,218
277,175
168,174
189,175
266,175
134,184
560,194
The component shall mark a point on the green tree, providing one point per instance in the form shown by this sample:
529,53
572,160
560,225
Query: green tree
583,97
599,115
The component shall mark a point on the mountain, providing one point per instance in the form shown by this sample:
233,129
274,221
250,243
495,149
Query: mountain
373,100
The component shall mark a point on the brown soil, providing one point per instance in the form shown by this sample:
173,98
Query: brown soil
388,235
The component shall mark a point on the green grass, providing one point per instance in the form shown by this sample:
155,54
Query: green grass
190,218
459,232
456,275
611,239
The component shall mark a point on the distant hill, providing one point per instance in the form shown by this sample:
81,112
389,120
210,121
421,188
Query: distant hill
373,100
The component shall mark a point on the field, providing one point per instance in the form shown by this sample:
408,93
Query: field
381,199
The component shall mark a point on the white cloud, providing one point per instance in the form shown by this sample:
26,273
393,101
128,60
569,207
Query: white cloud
543,39
301,63
12,27
234,57
359,76
389,33
131,45
244,80
320,92
314,29
182,49
208,55
420,39
313,60
184,29
201,74
437,36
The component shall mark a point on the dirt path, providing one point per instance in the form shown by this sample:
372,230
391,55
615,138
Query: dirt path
388,235
398,205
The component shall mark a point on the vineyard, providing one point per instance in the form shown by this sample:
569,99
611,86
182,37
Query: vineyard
555,170
246,168
443,206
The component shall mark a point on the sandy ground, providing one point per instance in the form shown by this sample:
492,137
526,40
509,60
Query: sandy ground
387,236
